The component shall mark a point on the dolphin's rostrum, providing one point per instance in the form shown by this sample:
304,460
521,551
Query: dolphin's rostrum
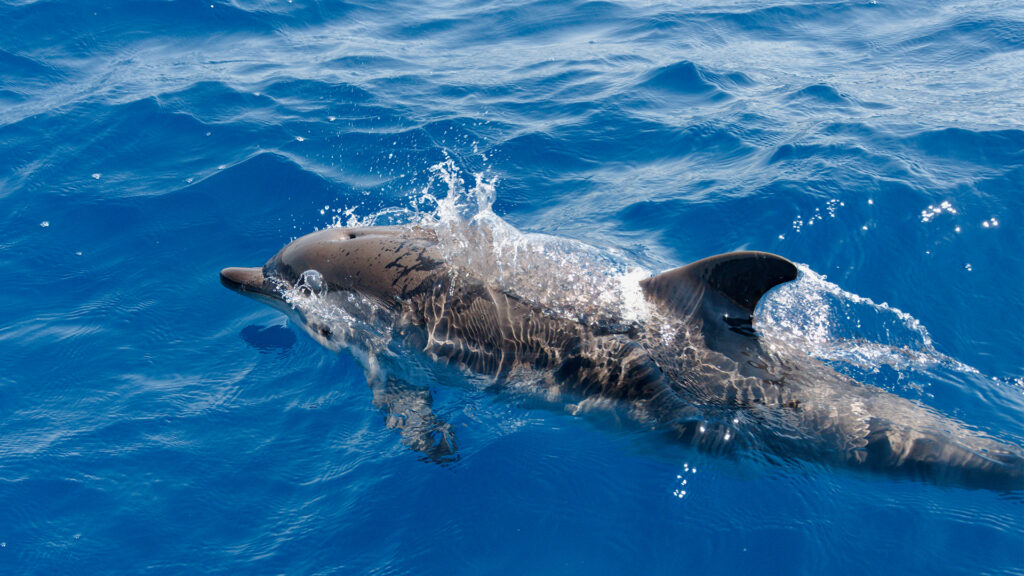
696,369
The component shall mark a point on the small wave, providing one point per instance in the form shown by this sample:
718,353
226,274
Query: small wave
784,21
822,93
819,97
962,40
986,148
682,77
814,151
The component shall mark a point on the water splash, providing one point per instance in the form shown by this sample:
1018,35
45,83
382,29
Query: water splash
338,320
563,276
835,325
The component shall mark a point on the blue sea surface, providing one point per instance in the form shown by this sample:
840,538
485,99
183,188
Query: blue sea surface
153,422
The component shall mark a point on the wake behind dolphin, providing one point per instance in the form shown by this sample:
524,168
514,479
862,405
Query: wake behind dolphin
677,352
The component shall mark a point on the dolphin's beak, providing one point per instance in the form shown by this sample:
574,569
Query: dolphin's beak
244,280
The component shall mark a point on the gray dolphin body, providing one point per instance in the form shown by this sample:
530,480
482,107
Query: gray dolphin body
698,371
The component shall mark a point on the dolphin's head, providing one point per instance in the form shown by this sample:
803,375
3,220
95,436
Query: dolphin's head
384,264
336,283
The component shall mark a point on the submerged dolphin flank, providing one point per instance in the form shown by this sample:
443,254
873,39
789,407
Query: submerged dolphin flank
695,369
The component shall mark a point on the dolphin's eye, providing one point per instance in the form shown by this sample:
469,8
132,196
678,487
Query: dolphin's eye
311,283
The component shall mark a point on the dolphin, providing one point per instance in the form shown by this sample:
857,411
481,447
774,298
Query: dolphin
695,369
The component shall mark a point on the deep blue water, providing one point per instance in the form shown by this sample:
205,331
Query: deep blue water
153,422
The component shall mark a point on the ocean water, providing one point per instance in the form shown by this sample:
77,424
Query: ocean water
152,422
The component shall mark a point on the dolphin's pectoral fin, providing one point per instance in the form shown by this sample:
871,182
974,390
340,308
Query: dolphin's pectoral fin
408,410
722,291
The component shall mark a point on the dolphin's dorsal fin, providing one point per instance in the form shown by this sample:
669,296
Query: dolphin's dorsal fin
726,287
